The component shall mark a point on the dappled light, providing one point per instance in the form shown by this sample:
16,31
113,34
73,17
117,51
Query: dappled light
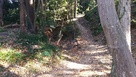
67,38
82,57
73,65
89,60
97,63
31,2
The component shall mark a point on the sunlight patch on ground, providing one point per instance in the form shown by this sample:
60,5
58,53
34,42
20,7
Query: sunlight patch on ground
101,58
106,59
33,65
77,69
7,49
73,65
4,64
91,73
67,56
98,51
68,72
19,70
95,49
45,75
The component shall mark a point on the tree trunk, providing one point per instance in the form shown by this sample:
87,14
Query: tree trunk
75,8
30,14
123,64
125,19
22,25
43,8
1,12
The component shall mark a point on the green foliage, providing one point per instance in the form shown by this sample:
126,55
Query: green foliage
37,43
45,53
86,5
31,47
11,56
93,17
134,1
69,31
55,14
57,4
10,12
83,5
2,30
96,30
30,39
0,43
133,14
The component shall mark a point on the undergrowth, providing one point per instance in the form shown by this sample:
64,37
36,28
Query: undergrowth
2,30
31,47
10,55
93,17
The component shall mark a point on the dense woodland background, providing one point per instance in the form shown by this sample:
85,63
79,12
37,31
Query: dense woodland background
37,30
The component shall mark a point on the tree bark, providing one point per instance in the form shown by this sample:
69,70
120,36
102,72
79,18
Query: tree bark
22,23
30,14
43,8
1,12
75,8
123,64
125,19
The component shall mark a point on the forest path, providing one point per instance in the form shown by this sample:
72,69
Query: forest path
90,59
83,57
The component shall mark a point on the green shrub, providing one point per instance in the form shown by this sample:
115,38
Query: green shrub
93,17
11,56
43,48
11,12
2,30
27,41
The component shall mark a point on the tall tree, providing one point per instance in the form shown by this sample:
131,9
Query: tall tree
1,12
116,28
22,23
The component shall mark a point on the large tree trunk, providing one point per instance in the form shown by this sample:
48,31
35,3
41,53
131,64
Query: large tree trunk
123,64
22,24
1,12
30,12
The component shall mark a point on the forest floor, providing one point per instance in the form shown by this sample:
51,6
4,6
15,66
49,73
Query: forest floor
85,56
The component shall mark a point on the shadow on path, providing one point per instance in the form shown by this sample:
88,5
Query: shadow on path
5,72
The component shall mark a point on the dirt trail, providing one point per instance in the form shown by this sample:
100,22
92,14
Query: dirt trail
85,32
91,60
